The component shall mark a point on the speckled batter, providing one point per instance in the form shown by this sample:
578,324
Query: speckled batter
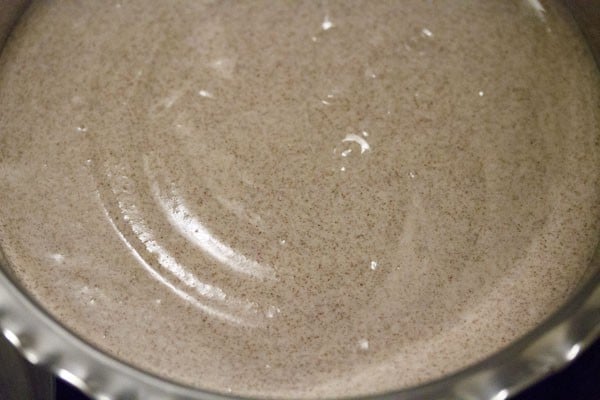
299,199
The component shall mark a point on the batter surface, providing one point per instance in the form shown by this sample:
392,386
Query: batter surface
299,199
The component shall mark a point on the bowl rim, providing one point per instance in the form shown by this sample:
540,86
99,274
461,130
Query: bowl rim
551,345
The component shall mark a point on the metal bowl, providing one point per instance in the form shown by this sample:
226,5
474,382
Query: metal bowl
43,341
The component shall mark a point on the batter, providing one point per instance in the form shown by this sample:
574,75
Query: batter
299,199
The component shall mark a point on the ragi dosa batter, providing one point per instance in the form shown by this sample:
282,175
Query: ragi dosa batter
299,199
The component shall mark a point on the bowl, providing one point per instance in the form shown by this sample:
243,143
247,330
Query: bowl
45,342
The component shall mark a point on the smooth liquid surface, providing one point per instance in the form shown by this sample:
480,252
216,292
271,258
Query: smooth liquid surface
299,200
